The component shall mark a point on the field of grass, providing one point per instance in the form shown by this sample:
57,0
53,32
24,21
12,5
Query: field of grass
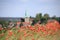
50,31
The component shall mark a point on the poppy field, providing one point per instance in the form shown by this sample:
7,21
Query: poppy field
49,31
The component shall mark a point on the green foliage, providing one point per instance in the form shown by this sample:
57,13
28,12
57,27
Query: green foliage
56,18
4,23
38,16
46,15
41,18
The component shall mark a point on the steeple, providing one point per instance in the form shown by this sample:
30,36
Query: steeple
26,17
26,14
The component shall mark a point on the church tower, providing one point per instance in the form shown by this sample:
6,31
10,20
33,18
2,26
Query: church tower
27,18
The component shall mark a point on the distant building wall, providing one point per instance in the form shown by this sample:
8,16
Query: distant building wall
27,19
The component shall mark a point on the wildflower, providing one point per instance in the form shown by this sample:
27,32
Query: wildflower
33,39
1,28
2,34
18,31
25,34
10,33
6,38
20,38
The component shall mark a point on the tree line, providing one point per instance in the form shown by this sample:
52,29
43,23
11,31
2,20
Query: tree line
44,18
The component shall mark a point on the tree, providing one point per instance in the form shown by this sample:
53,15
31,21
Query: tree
45,18
46,15
54,17
38,16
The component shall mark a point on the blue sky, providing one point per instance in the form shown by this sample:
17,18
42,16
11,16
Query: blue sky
17,8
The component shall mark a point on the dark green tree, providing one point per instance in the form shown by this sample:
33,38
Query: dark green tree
38,16
45,18
46,15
